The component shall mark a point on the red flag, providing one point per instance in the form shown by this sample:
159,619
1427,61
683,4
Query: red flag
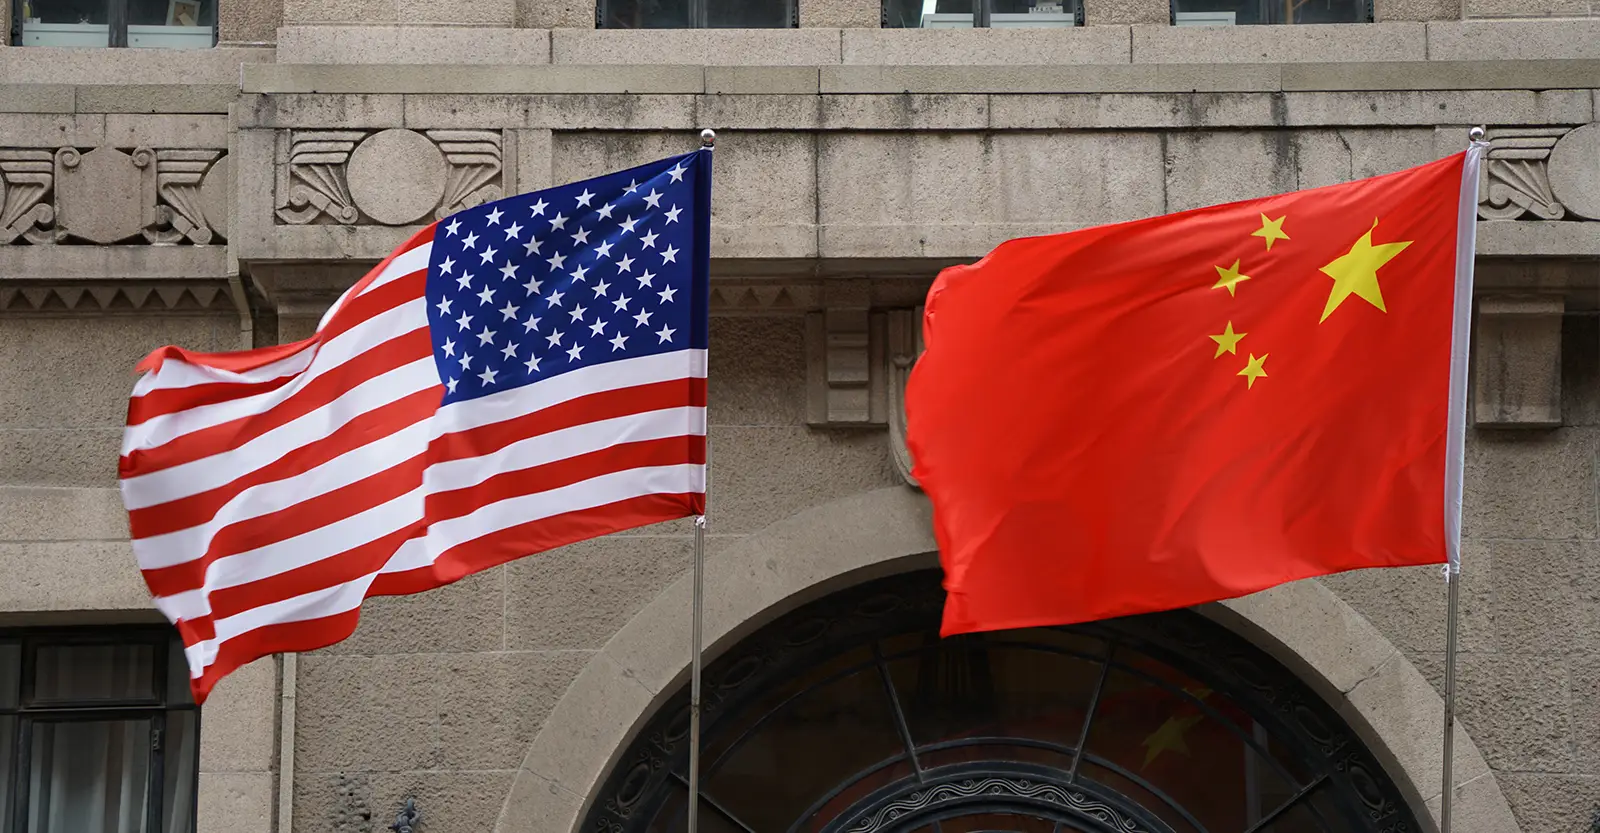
1199,406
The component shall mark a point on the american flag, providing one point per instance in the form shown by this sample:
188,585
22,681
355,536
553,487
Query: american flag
520,375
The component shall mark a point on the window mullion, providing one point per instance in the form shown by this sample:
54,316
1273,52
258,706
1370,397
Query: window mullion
117,20
156,786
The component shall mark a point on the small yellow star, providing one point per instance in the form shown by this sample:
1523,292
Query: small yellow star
1356,272
1229,278
1228,342
1271,230
1253,369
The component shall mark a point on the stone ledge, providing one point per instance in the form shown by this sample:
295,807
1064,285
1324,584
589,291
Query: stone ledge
481,80
49,65
412,45
114,263
155,98
1473,40
1323,43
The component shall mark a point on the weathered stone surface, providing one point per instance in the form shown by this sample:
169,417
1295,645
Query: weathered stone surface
910,111
578,596
1574,174
1517,707
472,80
455,45
1342,645
1586,710
1211,168
51,65
1385,11
468,12
166,132
1117,110
1549,801
1398,704
1478,805
323,110
1546,596
707,47
1114,12
52,457
1517,362
945,47
357,802
61,514
296,12
71,575
51,130
1429,108
555,14
1328,157
152,98
1480,9
1531,486
37,98
396,176
766,474
1408,604
239,730
760,112
243,22
759,367
235,802
467,615
1525,39
1330,42
762,80
841,14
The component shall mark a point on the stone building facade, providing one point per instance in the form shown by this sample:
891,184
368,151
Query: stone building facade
221,197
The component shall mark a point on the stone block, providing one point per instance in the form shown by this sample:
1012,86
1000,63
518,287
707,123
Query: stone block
468,615
1398,706
1328,157
578,596
50,65
535,149
458,12
840,14
965,47
1121,111
1324,43
1333,638
1516,372
555,14
1389,11
1517,707
563,756
1124,12
52,457
1217,167
760,112
1523,39
330,110
245,22
299,12
1489,9
453,45
1424,108
43,130
36,98
1509,74
701,47
909,111
1478,806
450,802
167,131
147,98
1546,599
1051,79
240,731
770,80
1531,486
71,576
470,80
612,111
1408,604
1524,238
757,371
766,474
1586,710
61,514
1551,801
234,802
536,797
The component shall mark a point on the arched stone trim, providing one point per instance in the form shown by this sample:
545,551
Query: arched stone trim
886,531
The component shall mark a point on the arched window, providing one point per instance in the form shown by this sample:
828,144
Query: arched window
696,14
851,715
1248,12
996,14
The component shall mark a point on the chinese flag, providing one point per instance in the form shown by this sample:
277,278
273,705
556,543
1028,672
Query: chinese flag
1199,406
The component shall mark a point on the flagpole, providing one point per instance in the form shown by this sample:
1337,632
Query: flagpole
708,141
1452,608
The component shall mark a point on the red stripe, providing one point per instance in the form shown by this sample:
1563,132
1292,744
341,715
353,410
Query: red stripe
534,537
365,307
314,513
164,401
284,637
197,445
368,427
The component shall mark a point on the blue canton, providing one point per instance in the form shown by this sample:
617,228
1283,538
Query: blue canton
536,285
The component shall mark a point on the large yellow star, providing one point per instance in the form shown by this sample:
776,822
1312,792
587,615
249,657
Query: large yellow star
1228,342
1253,369
1229,278
1356,272
1271,230
1169,737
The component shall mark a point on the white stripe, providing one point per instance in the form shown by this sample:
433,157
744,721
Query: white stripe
1455,448
219,469
413,261
401,320
510,404
315,605
176,374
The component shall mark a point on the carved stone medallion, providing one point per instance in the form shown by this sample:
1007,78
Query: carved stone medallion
1575,171
100,195
396,176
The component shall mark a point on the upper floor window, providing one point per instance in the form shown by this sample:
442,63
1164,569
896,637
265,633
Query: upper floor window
696,14
148,24
98,733
963,14
1248,12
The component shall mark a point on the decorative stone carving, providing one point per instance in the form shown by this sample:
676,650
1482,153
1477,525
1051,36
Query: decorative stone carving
101,195
390,177
26,179
844,357
1517,362
101,298
107,195
1574,169
1516,176
905,347
182,198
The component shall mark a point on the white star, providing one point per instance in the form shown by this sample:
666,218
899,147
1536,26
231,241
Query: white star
509,311
449,347
488,255
455,226
451,385
471,241
447,265
531,324
465,320
576,352
539,207
618,342
581,273
486,296
486,336
578,312
666,294
625,264
531,247
598,327
646,278
532,364
584,198
649,240
580,236
555,298
511,350
444,306
533,285
554,338
465,360
555,261
602,250
672,216
605,210
669,255
465,281
629,224
677,172
508,272
621,303
488,376
642,319
557,222
494,217
633,185
665,333
601,288
653,199
513,232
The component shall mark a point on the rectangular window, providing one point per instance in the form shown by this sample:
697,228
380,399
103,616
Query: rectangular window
139,24
968,14
98,732
1252,12
696,14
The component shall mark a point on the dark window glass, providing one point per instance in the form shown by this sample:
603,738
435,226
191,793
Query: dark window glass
646,14
1249,12
960,14
695,14
89,777
93,672
147,24
10,676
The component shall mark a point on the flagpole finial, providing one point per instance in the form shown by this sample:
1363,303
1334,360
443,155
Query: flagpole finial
708,138
1475,134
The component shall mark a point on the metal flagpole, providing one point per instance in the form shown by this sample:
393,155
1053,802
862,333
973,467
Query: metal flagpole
708,141
1452,607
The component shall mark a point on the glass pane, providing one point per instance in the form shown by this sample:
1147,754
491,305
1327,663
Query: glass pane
65,23
172,12
747,14
10,678
1008,14
94,672
89,777
178,691
646,14
8,754
931,14
1245,12
180,755
64,11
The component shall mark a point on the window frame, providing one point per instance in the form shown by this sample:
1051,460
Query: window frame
1369,15
162,641
117,36
697,16
982,15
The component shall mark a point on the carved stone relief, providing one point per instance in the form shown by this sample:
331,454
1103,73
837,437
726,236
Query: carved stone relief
389,177
106,195
1541,173
905,347
100,298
